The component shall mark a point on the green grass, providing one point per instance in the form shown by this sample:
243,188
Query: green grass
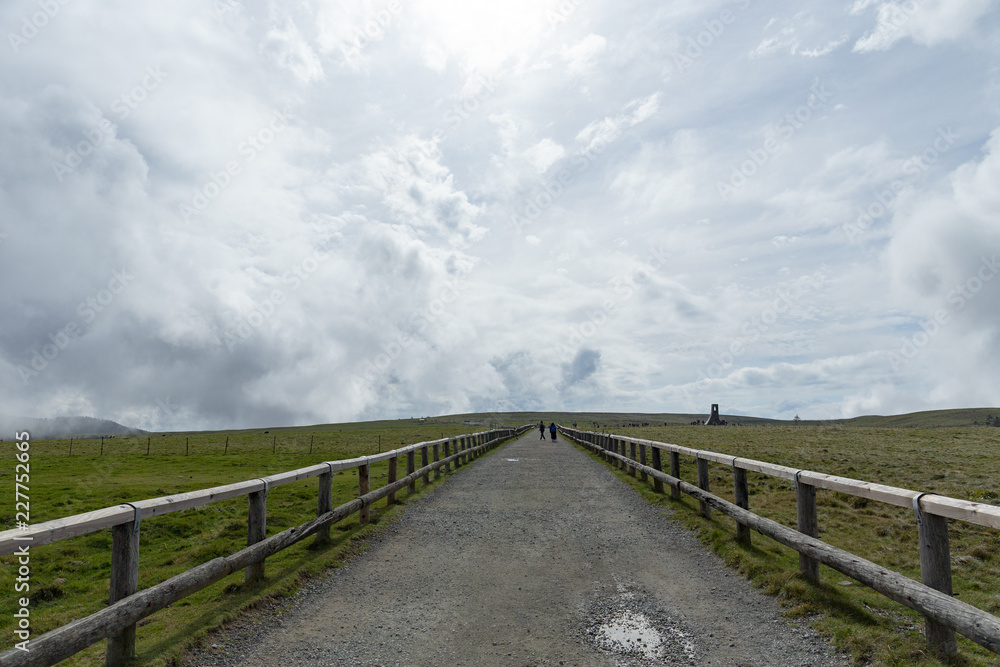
957,462
70,578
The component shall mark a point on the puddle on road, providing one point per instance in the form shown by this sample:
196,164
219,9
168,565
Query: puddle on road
628,632
634,628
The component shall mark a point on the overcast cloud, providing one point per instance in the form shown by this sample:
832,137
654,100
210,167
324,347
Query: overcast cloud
233,214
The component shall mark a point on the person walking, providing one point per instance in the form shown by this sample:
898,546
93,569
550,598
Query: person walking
541,429
552,431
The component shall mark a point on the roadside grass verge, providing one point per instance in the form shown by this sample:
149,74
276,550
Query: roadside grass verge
70,578
957,462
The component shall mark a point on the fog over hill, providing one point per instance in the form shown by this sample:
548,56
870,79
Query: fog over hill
78,427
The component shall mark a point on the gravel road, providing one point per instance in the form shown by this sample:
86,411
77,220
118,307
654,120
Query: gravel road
533,555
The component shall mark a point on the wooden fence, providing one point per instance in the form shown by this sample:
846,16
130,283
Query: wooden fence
944,615
117,622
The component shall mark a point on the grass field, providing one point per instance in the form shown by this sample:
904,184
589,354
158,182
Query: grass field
70,578
957,462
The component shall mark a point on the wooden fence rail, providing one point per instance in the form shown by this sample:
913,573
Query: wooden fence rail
944,615
117,622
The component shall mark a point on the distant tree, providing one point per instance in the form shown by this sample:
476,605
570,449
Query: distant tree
797,419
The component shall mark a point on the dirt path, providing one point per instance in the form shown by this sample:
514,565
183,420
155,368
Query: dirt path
533,555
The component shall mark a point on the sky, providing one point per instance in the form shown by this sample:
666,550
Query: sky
224,214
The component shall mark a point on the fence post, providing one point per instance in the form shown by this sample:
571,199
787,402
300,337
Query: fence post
706,510
324,505
935,571
410,467
632,457
363,487
447,453
437,457
256,531
742,499
124,582
423,464
657,465
391,479
675,471
805,504
642,460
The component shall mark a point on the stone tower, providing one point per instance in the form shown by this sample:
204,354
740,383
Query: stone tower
714,420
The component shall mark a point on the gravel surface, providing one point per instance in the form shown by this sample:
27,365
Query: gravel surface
532,555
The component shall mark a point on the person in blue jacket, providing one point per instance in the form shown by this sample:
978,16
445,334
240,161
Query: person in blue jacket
552,431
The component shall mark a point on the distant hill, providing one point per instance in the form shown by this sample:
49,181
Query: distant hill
66,427
929,419
89,427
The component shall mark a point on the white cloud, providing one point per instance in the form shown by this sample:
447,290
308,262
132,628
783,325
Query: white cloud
579,57
552,240
290,50
928,23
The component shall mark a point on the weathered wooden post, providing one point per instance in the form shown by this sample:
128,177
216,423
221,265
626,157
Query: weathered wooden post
393,476
410,468
124,582
324,505
805,505
437,457
447,453
657,465
741,493
706,509
632,457
935,571
363,487
642,461
675,471
256,531
423,464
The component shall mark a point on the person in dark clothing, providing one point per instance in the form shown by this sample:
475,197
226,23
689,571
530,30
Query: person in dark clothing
541,430
552,431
